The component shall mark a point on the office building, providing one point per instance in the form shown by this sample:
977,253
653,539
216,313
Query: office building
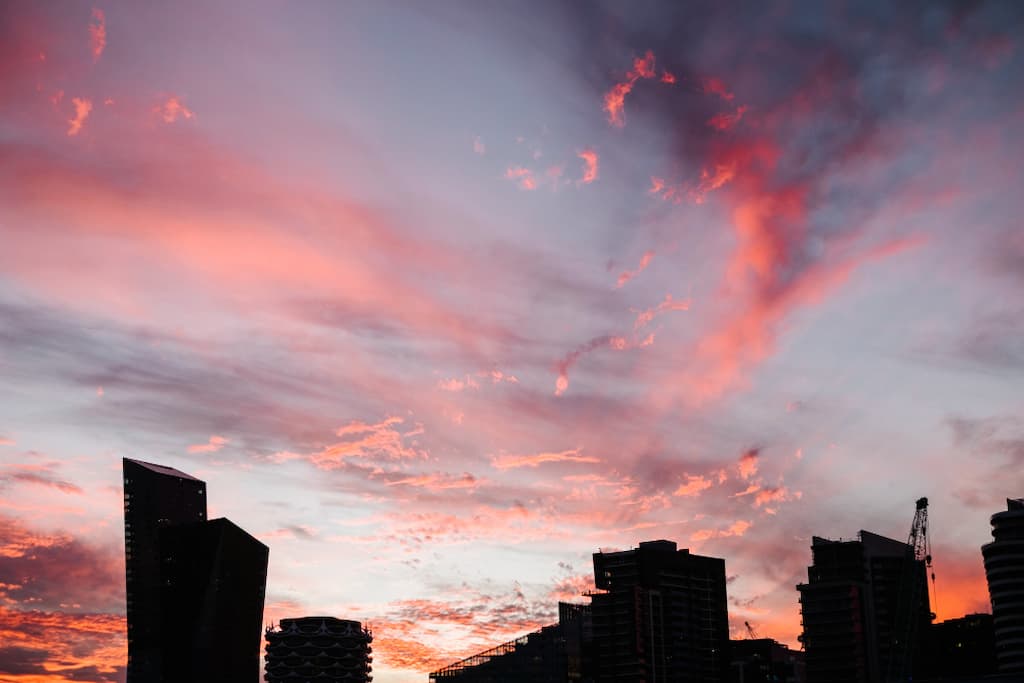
864,609
662,616
764,660
960,647
195,587
321,649
1004,569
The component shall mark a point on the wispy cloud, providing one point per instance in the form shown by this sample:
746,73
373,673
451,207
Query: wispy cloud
83,106
214,444
507,462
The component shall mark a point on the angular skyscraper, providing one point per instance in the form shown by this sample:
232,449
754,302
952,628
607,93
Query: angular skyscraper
195,587
663,616
1004,569
864,608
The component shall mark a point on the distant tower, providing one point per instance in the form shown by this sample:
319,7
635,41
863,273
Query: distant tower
195,587
1004,569
663,616
319,649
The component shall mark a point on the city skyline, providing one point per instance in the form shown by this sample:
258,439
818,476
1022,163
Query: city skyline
440,299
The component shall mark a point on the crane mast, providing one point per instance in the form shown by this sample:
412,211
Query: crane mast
911,598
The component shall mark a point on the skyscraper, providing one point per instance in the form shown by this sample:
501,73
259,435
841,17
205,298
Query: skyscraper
864,609
663,616
195,587
1004,569
323,649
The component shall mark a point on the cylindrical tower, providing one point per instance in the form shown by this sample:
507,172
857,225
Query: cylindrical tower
1004,569
320,650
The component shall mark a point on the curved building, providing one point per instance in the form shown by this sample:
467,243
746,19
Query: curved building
1004,569
318,650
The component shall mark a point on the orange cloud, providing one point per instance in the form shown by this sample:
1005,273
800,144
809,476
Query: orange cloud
615,98
4,441
523,177
82,108
627,275
212,446
97,33
173,109
590,161
71,646
693,486
506,462
438,482
737,528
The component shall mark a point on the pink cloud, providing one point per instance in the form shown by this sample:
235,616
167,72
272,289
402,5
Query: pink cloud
173,109
693,486
506,462
83,107
615,98
438,482
97,33
737,528
590,162
726,120
645,317
378,441
747,466
627,275
478,145
4,441
214,444
523,177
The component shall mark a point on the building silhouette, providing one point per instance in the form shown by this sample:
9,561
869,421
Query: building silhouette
1004,569
195,587
321,649
960,647
864,609
662,616
764,660
553,654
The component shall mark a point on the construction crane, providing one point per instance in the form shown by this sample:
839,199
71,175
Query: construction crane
751,633
910,597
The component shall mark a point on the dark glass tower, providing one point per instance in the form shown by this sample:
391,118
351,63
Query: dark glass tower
195,587
663,616
1004,569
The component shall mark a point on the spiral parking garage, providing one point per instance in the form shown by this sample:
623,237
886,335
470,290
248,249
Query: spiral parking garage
321,649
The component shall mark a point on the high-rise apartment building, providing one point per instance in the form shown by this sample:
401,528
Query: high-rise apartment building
662,616
323,649
1004,569
864,608
195,587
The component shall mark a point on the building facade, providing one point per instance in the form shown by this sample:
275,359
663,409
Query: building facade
662,616
195,587
764,660
864,609
319,649
1004,569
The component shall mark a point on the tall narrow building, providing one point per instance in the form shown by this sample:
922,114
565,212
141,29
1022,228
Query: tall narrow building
1004,569
864,608
195,587
662,616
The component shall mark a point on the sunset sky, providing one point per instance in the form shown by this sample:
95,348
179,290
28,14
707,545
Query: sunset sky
442,297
